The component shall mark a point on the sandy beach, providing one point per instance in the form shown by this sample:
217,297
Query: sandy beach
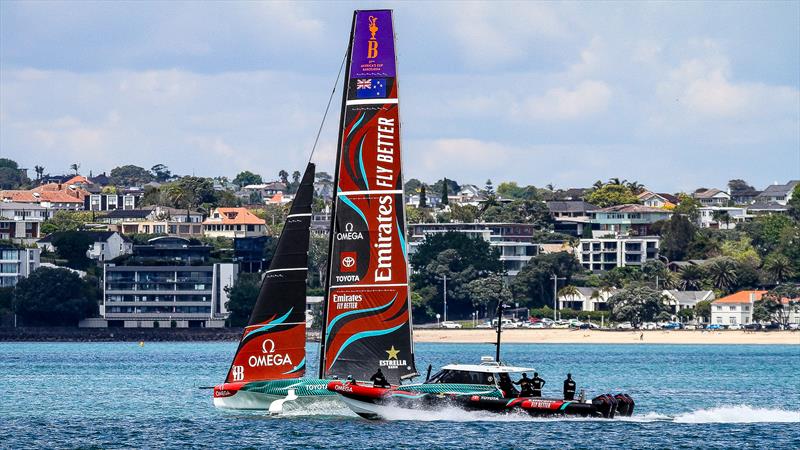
562,336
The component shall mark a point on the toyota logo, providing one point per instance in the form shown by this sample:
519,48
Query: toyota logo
348,261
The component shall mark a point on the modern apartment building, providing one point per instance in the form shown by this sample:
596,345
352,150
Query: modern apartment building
17,263
21,222
599,254
512,239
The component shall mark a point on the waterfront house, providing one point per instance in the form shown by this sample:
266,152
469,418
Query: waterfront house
106,245
778,193
679,300
586,299
17,262
167,283
605,253
233,223
626,219
21,222
711,197
735,309
658,200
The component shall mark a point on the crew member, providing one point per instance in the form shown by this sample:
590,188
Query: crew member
538,383
378,380
350,380
569,388
524,384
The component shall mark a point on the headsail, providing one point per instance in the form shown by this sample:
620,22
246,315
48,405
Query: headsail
368,314
273,343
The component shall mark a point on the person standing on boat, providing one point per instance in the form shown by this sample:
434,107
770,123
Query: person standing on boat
524,384
378,380
538,384
569,388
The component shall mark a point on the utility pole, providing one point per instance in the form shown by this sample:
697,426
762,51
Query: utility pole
555,279
444,279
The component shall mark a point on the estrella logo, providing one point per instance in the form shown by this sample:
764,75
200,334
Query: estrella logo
372,44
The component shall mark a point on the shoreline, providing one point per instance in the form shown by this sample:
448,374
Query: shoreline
421,335
566,336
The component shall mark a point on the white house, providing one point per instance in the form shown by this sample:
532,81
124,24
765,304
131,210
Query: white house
106,245
587,299
735,309
233,223
712,197
680,300
17,263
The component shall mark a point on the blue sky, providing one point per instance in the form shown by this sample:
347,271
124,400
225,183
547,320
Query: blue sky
674,95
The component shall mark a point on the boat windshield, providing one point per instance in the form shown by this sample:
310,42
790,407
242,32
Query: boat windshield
462,377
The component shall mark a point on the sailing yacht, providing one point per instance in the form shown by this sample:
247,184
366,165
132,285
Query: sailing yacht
367,310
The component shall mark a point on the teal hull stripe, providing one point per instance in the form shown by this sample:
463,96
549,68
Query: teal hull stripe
272,324
361,162
350,313
408,395
297,367
362,335
358,122
564,406
349,203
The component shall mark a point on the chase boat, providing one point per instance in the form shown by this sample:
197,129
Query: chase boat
473,387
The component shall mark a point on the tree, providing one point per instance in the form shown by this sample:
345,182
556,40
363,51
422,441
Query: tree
464,213
781,302
247,178
11,177
412,186
39,172
687,206
72,246
284,176
489,188
722,216
242,298
423,200
161,173
324,177
445,195
75,167
767,232
794,203
66,221
685,315
741,250
636,305
778,267
721,273
54,297
612,195
702,309
130,175
691,278
635,187
318,256
654,269
533,285
486,292
413,215
676,237
619,277
616,182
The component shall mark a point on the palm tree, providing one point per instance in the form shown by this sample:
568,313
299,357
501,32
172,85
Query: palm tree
721,216
75,167
39,172
778,267
691,278
569,291
635,187
616,181
721,272
284,176
598,184
180,196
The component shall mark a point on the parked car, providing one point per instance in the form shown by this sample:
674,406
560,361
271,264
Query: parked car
691,326
575,323
715,326
735,326
539,325
793,326
753,327
485,325
772,326
672,326
450,325
560,324
624,326
649,326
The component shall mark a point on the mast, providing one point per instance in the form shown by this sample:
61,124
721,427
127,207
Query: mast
273,343
368,312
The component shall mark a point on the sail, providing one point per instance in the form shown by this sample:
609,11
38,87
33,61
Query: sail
367,311
273,343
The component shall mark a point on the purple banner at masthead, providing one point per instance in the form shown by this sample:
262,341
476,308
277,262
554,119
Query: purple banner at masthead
373,45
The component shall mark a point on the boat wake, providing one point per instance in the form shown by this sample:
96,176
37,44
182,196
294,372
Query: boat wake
722,414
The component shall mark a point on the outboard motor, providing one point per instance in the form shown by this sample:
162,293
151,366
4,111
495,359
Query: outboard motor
625,404
606,405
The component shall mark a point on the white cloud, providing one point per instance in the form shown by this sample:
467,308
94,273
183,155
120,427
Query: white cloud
588,98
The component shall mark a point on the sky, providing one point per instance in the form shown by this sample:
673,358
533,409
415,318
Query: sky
674,95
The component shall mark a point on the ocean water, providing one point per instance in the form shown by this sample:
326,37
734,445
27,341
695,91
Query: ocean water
121,395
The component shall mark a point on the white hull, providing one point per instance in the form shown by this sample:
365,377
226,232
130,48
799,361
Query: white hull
246,400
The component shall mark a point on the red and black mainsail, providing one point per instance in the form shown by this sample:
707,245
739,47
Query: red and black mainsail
273,343
367,312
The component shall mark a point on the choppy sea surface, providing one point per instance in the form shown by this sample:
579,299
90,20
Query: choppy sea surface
121,395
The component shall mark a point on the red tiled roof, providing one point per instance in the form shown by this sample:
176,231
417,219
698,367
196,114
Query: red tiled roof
740,297
41,196
233,216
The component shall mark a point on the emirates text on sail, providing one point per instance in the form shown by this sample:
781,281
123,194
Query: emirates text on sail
385,178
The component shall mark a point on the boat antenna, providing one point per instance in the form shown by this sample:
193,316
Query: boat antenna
499,330
324,116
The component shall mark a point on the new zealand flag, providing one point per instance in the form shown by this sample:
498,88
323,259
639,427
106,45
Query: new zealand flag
371,88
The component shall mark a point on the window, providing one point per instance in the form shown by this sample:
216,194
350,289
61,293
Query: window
717,308
732,320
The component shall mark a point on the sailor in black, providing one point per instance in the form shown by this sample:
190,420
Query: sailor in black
524,386
538,383
378,380
569,388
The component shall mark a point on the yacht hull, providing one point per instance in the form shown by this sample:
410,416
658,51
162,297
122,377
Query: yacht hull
261,395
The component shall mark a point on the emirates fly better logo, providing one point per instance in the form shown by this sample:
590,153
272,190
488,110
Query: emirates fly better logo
348,262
